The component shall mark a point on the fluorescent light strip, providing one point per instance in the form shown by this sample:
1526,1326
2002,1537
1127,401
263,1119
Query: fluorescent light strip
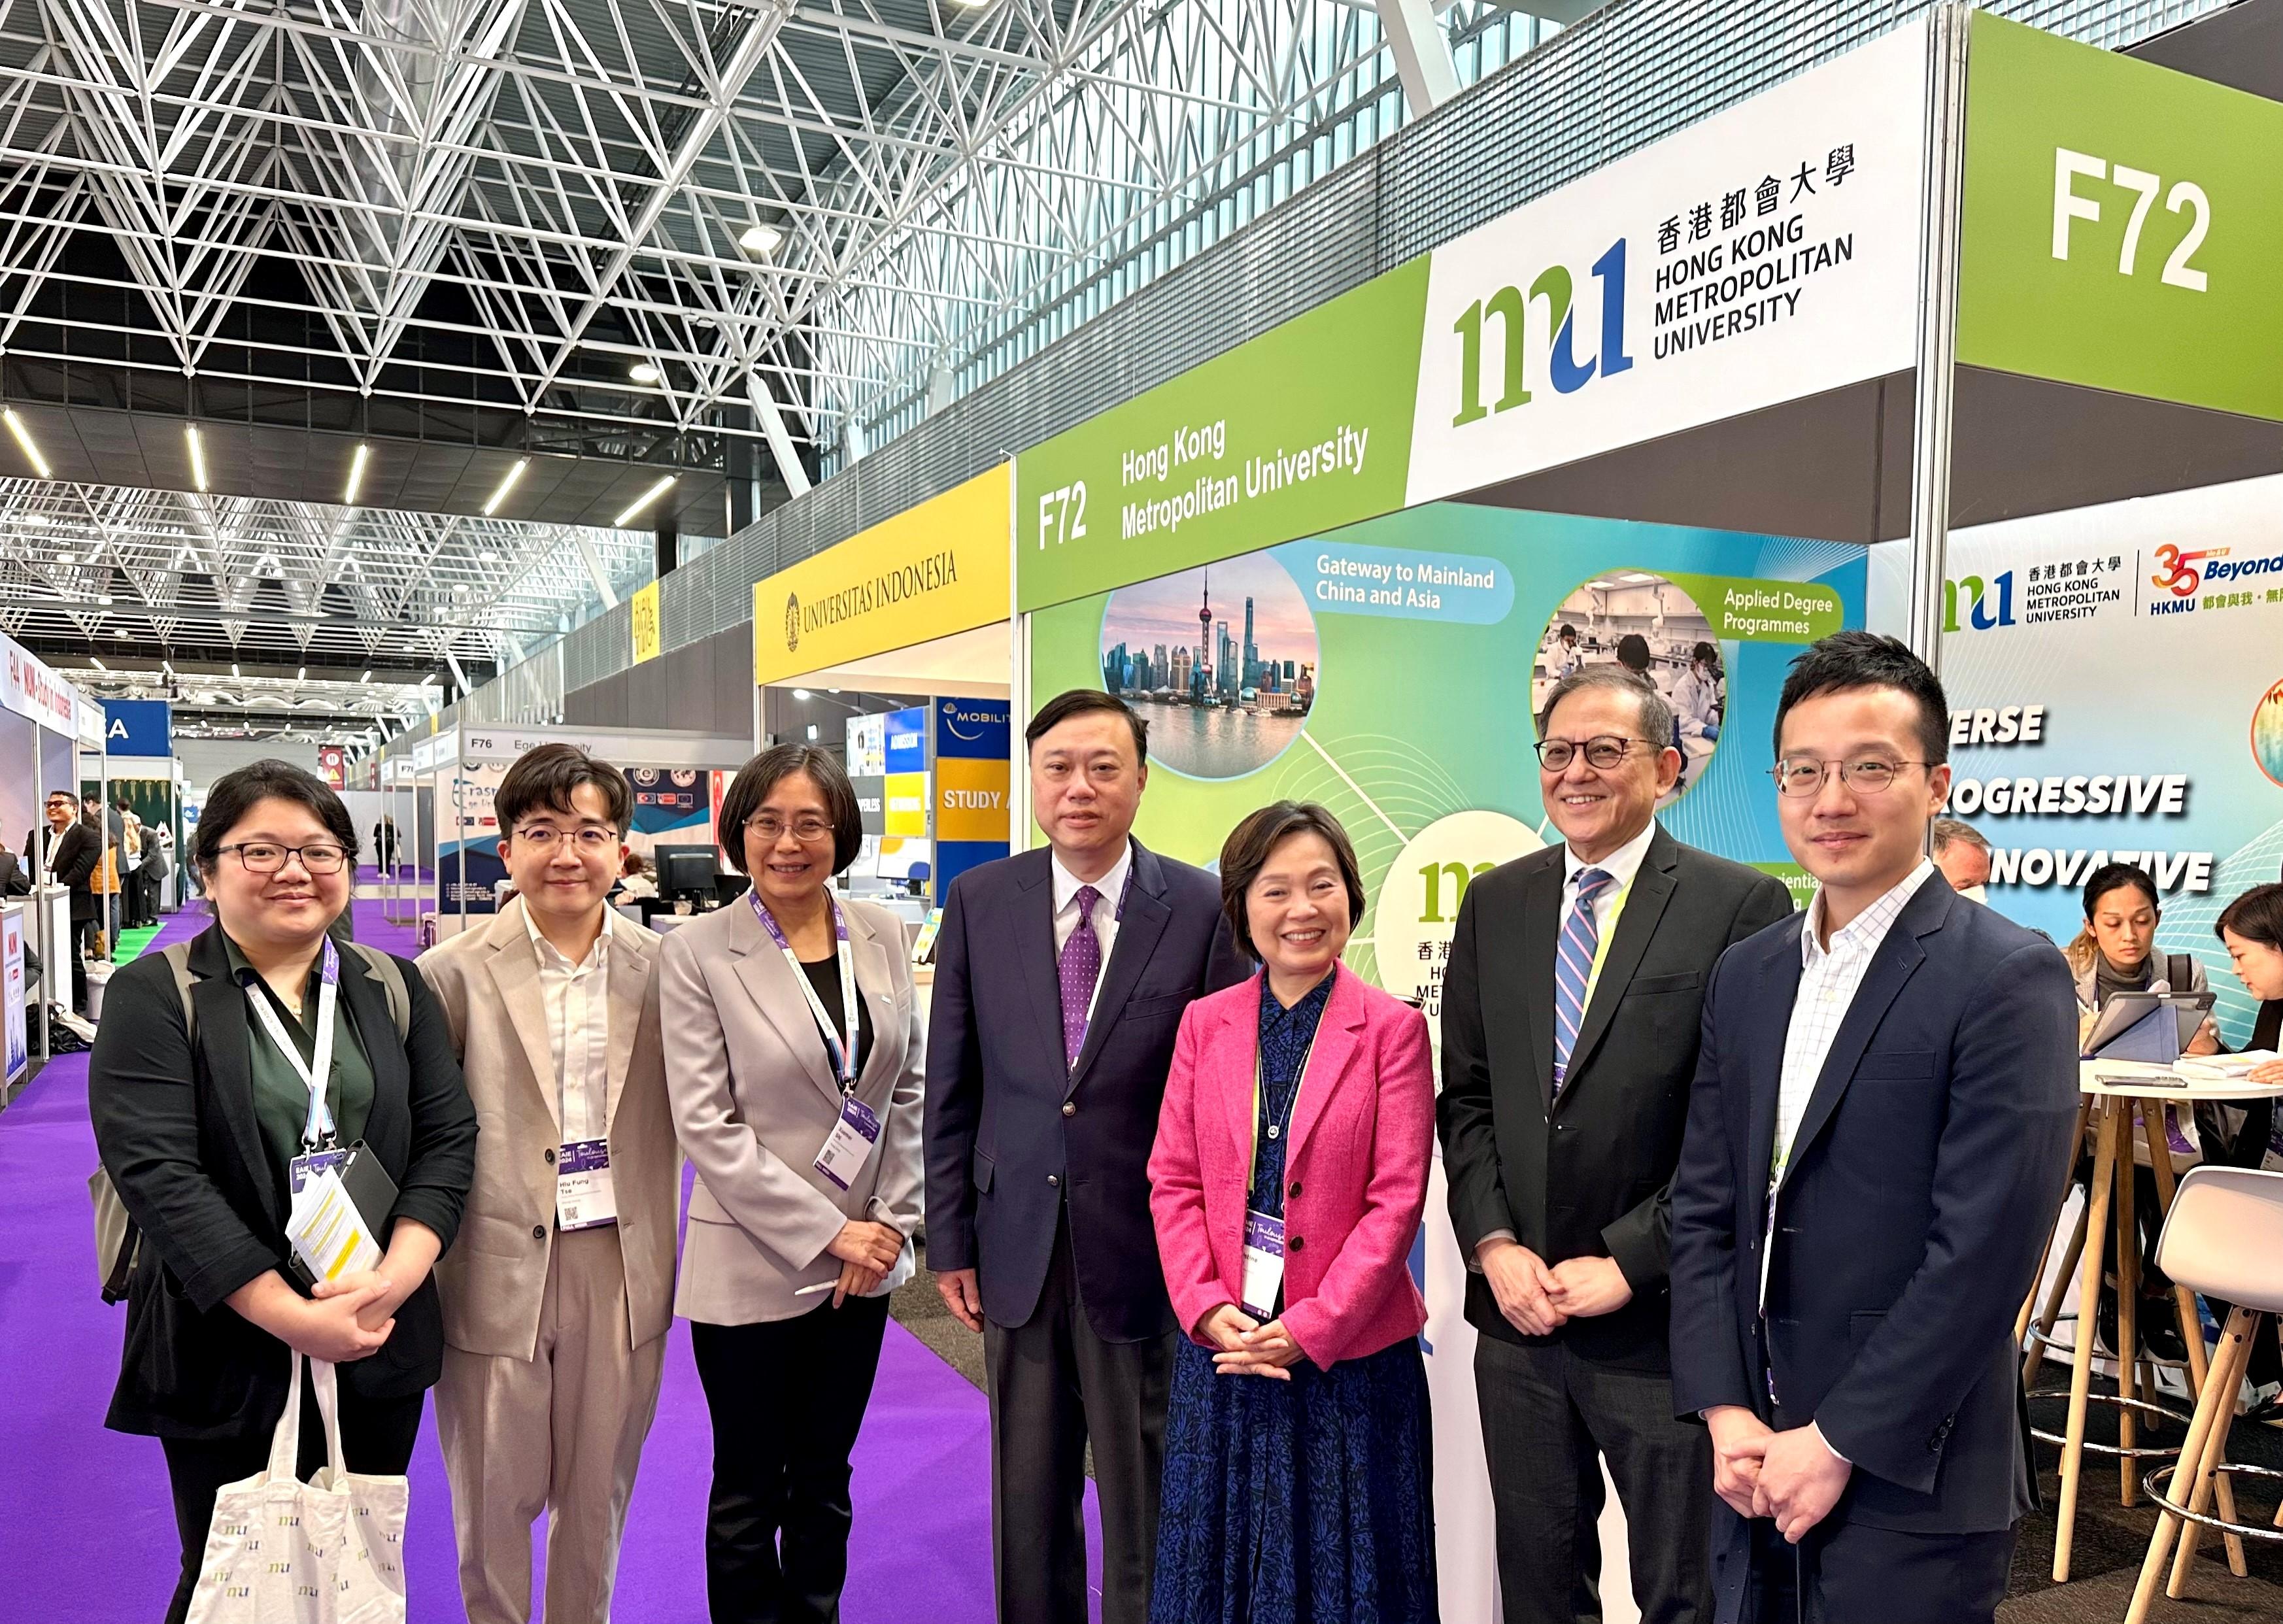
197,455
356,475
643,501
24,439
506,485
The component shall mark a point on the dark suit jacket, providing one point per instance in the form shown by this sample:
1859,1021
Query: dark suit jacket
1011,1132
75,863
1922,1186
1587,1176
15,878
178,1137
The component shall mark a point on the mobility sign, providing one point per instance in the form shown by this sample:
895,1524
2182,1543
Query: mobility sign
2123,224
972,783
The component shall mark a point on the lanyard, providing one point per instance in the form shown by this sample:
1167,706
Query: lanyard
1100,973
1277,1130
840,1048
318,1130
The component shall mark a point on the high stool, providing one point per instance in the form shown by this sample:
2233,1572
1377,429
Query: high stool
2223,1238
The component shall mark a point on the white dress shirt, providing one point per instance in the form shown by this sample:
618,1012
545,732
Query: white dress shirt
1621,866
578,1002
1828,980
1111,887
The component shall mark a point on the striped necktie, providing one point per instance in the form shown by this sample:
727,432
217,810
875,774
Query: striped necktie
1573,967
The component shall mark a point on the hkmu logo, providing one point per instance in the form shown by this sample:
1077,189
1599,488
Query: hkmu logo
1975,593
1554,286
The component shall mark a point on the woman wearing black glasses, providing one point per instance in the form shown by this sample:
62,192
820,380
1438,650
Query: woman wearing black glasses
205,1108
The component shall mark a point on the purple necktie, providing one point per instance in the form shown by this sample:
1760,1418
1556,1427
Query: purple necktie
1077,968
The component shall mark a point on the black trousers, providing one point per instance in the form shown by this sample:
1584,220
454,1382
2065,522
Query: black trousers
1842,1574
1549,1419
1055,1387
786,1399
376,1439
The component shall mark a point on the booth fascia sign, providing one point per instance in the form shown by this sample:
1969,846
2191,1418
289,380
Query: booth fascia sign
142,728
482,746
2122,225
933,570
31,688
1766,255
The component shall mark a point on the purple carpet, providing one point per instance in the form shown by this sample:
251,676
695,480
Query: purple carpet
87,1535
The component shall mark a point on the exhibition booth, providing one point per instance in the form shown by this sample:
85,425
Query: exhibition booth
446,781
917,605
54,734
1972,335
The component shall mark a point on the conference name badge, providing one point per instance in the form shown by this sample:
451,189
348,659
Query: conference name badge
849,1145
330,1237
301,1169
1264,1264
584,1199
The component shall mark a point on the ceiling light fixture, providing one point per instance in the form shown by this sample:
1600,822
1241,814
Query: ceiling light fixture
800,693
103,598
643,373
197,455
506,485
760,238
97,659
428,679
233,668
301,675
167,666
643,501
357,474
24,440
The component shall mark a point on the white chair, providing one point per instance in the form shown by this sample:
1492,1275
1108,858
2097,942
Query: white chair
2222,1238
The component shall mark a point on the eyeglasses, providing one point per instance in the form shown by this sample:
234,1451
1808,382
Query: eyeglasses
807,829
261,857
1602,751
590,839
1804,777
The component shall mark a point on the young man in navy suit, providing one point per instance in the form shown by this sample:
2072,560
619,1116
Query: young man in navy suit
1877,1136
1061,976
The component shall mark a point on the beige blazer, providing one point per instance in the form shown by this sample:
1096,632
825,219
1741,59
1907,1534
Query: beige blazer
754,1098
494,1276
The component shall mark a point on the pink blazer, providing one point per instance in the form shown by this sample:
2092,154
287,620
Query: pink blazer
1355,1172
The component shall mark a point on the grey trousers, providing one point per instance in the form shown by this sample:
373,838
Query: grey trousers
1056,1386
1548,1419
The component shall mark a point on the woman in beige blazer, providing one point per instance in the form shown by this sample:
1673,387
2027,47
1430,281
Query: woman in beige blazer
802,1116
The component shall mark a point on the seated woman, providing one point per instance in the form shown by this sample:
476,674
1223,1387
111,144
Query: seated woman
2251,928
634,882
1286,1186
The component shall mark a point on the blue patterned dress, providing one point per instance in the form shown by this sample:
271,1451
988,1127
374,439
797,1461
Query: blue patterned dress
1306,1502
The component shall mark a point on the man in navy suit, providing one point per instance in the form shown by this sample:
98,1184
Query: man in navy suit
1877,1137
1061,976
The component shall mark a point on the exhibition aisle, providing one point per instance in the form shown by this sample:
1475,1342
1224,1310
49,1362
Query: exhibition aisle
89,1537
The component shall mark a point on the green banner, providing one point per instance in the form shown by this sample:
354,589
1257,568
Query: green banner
1302,430
2123,224
1755,611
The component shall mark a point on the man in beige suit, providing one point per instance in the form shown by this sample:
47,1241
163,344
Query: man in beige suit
557,1299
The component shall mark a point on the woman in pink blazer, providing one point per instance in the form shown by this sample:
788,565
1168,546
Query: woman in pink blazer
1287,1183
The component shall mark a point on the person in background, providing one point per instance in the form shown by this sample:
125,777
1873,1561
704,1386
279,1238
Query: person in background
555,1318
1567,656
2251,929
200,1113
67,855
158,860
794,1063
1569,1021
634,882
1696,701
383,843
1286,1186
1061,976
1882,1114
107,881
15,879
1633,654
1963,856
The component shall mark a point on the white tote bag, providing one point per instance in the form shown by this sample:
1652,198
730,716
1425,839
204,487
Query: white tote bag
283,1551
